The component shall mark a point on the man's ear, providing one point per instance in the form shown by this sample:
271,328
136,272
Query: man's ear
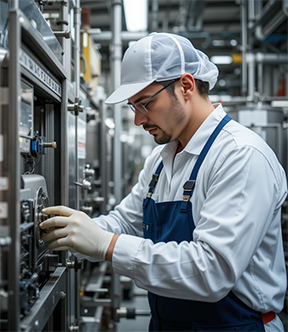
187,85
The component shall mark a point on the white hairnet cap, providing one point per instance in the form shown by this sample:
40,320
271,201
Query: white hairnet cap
161,57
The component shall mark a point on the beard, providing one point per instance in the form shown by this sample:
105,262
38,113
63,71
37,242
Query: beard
178,117
165,138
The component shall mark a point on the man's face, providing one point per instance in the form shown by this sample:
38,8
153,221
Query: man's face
165,118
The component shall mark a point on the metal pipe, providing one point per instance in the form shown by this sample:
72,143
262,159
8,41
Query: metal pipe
244,46
271,58
260,77
154,26
260,58
14,4
251,75
251,11
116,65
106,36
285,7
262,33
99,36
263,12
116,59
13,169
77,24
103,160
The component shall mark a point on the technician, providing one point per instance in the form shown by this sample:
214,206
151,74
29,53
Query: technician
201,230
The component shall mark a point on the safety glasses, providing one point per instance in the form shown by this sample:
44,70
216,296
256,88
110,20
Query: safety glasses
143,107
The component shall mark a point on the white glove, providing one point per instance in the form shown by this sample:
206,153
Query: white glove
74,230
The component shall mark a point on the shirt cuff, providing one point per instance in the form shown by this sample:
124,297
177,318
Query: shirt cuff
124,254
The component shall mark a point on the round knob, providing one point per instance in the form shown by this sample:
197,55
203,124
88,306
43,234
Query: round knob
52,145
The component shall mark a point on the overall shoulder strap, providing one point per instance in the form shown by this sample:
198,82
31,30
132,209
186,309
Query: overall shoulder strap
189,185
153,182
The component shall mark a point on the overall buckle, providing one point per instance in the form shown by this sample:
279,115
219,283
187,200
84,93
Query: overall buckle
188,187
187,193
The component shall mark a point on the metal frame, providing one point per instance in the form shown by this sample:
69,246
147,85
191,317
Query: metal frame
20,32
13,169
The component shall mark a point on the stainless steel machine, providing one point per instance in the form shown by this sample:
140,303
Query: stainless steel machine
32,78
55,148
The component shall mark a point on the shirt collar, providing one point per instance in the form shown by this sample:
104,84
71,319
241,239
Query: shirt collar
197,141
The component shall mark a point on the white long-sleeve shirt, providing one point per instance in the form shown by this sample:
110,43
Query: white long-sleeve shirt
237,242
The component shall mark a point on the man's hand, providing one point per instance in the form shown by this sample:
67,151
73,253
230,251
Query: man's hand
74,230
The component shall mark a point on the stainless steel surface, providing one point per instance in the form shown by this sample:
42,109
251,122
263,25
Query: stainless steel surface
32,293
12,170
51,293
31,11
35,42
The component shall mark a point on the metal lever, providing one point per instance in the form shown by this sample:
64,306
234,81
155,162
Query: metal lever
86,185
66,34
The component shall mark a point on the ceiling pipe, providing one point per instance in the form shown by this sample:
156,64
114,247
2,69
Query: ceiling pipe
261,34
244,46
154,23
260,58
100,36
271,58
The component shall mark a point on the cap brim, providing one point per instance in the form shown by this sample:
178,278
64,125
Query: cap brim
126,91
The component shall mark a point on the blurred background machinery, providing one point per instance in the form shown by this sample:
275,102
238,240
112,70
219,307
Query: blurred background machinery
60,144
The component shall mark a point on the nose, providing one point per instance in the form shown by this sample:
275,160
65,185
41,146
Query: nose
140,118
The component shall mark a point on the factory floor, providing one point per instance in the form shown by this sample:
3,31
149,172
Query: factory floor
139,301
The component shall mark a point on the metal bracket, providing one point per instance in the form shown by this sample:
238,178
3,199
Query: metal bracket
76,265
76,107
50,2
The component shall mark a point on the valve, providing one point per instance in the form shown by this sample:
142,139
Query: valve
86,185
38,145
88,171
76,107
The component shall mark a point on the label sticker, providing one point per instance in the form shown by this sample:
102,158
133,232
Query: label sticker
81,139
3,210
3,183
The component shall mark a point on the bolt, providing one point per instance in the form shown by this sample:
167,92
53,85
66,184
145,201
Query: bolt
62,295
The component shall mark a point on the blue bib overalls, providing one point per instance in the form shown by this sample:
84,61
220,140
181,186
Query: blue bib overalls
173,221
